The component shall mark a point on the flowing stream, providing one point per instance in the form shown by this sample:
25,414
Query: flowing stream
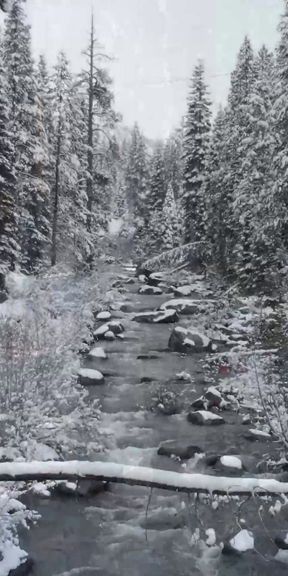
129,530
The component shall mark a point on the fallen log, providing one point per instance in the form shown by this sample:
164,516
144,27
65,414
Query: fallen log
140,476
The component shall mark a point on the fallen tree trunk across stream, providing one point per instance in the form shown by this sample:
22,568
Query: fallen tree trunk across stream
140,476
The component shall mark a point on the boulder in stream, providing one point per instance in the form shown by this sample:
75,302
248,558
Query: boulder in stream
97,352
90,377
105,315
150,291
189,341
205,418
157,317
114,326
25,568
181,452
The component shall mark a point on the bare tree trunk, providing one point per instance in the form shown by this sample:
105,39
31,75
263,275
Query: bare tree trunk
141,476
56,198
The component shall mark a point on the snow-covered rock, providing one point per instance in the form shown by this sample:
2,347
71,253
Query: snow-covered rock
105,315
175,450
157,317
214,397
255,434
189,341
114,326
150,290
211,537
205,418
231,462
188,306
97,352
281,542
90,377
110,335
243,541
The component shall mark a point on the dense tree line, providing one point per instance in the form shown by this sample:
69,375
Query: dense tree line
66,164
53,125
231,191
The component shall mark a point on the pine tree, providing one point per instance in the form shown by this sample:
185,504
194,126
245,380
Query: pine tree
281,116
173,159
157,181
65,171
170,225
195,147
218,208
29,139
258,246
136,176
8,227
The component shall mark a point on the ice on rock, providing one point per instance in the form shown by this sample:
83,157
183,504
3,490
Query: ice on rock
98,352
231,462
105,315
88,376
243,541
211,537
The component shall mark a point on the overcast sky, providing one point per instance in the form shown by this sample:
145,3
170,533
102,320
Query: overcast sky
155,44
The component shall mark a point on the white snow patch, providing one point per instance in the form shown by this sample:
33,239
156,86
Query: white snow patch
98,352
115,226
101,330
243,541
141,473
90,374
211,537
13,556
208,415
109,335
231,461
105,315
189,342
282,556
257,432
214,391
40,489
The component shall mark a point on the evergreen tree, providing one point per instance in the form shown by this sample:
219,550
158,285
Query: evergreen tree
195,146
173,154
281,119
29,139
136,175
8,228
170,225
157,182
218,209
237,128
65,172
258,246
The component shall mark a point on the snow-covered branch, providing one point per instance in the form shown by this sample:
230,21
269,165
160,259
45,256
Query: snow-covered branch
140,476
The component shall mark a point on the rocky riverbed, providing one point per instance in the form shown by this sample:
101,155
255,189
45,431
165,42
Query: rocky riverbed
163,406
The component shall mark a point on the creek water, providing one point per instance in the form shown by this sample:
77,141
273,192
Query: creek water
129,530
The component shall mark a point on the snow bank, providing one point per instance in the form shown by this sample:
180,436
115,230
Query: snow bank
115,226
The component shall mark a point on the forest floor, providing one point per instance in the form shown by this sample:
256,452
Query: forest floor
156,408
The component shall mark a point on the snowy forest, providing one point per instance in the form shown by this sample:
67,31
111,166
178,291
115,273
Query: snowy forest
68,165
143,320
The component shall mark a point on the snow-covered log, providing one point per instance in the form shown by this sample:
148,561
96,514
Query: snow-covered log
140,476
